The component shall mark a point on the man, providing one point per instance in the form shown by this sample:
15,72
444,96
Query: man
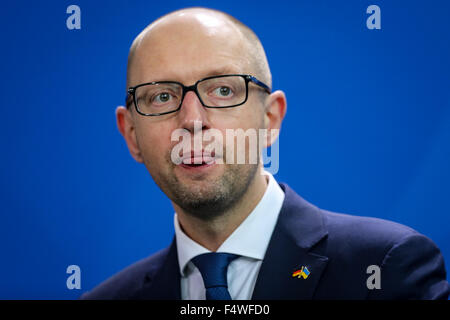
238,233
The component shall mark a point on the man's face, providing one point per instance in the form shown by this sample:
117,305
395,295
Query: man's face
185,50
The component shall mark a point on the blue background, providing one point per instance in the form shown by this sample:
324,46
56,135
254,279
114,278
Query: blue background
367,130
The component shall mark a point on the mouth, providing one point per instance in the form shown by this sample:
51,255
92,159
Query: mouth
195,166
195,161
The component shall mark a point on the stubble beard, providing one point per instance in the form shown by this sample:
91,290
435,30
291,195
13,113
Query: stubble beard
209,200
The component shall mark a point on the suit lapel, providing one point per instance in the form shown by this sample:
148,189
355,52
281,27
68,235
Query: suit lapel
299,227
163,282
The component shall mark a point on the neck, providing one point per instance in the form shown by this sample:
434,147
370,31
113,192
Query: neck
211,234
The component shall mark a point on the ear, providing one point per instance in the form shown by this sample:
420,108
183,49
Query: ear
125,123
275,110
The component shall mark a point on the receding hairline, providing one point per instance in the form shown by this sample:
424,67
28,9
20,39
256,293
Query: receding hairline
257,53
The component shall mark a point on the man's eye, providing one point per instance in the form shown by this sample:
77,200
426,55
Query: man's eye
162,97
223,91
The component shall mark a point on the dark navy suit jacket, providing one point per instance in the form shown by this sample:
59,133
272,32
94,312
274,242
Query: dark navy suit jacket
336,249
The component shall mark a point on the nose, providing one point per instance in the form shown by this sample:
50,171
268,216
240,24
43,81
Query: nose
191,112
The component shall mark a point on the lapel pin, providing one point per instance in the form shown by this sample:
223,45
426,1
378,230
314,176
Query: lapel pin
301,273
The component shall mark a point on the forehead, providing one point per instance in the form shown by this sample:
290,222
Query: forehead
187,48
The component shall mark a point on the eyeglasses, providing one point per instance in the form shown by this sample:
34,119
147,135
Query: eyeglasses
163,97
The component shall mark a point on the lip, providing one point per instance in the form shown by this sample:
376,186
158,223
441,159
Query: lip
197,162
197,168
197,159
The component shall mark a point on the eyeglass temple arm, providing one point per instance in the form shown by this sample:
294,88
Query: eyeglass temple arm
128,95
261,84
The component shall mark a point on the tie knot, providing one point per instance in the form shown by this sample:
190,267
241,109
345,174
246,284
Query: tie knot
213,266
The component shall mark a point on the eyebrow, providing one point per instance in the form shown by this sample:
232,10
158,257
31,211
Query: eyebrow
221,71
227,69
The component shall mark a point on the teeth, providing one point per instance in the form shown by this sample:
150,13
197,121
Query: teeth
196,160
199,160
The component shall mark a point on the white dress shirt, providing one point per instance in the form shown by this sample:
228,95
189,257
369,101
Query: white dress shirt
250,241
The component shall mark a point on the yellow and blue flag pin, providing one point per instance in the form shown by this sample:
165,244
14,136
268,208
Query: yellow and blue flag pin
303,272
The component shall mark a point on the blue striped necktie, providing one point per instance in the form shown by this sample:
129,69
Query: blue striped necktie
213,267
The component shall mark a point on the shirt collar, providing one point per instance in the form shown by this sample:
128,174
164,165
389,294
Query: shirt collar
252,236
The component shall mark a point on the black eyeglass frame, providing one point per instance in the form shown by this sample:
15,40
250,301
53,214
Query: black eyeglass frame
248,78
